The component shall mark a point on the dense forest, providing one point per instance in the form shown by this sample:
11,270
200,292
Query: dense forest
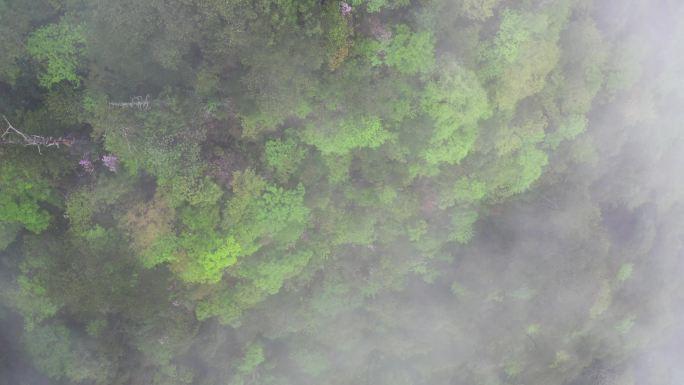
367,192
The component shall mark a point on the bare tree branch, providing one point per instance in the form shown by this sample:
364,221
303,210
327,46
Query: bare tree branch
136,102
13,136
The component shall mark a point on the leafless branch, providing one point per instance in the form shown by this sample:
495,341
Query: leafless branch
136,102
12,135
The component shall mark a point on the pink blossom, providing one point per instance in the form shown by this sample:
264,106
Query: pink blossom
111,162
87,166
345,9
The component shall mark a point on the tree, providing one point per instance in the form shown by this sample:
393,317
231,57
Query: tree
260,213
280,83
338,138
479,10
455,102
359,191
525,45
378,5
516,173
50,348
407,52
410,52
8,233
283,157
24,190
271,270
59,47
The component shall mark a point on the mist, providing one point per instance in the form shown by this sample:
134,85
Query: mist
294,192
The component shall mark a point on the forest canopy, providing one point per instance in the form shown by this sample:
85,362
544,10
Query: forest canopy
379,192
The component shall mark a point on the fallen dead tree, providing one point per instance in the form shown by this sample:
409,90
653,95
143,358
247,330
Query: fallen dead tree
136,102
12,135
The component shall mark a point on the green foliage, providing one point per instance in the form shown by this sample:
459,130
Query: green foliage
520,57
378,5
246,185
86,263
96,327
584,57
8,232
278,208
33,302
310,362
84,204
458,290
206,262
56,355
349,227
80,207
625,66
526,130
283,157
279,91
259,212
160,143
204,253
163,249
249,365
269,272
517,174
464,191
59,47
194,190
625,272
63,105
462,223
527,76
338,188
332,137
415,232
255,123
166,334
11,44
626,325
150,226
222,306
49,347
456,102
516,29
569,129
253,357
339,34
338,167
479,9
410,52
358,89
602,301
334,298
23,193
531,162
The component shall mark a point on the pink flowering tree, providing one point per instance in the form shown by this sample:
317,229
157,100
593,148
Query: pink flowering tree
345,9
87,165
